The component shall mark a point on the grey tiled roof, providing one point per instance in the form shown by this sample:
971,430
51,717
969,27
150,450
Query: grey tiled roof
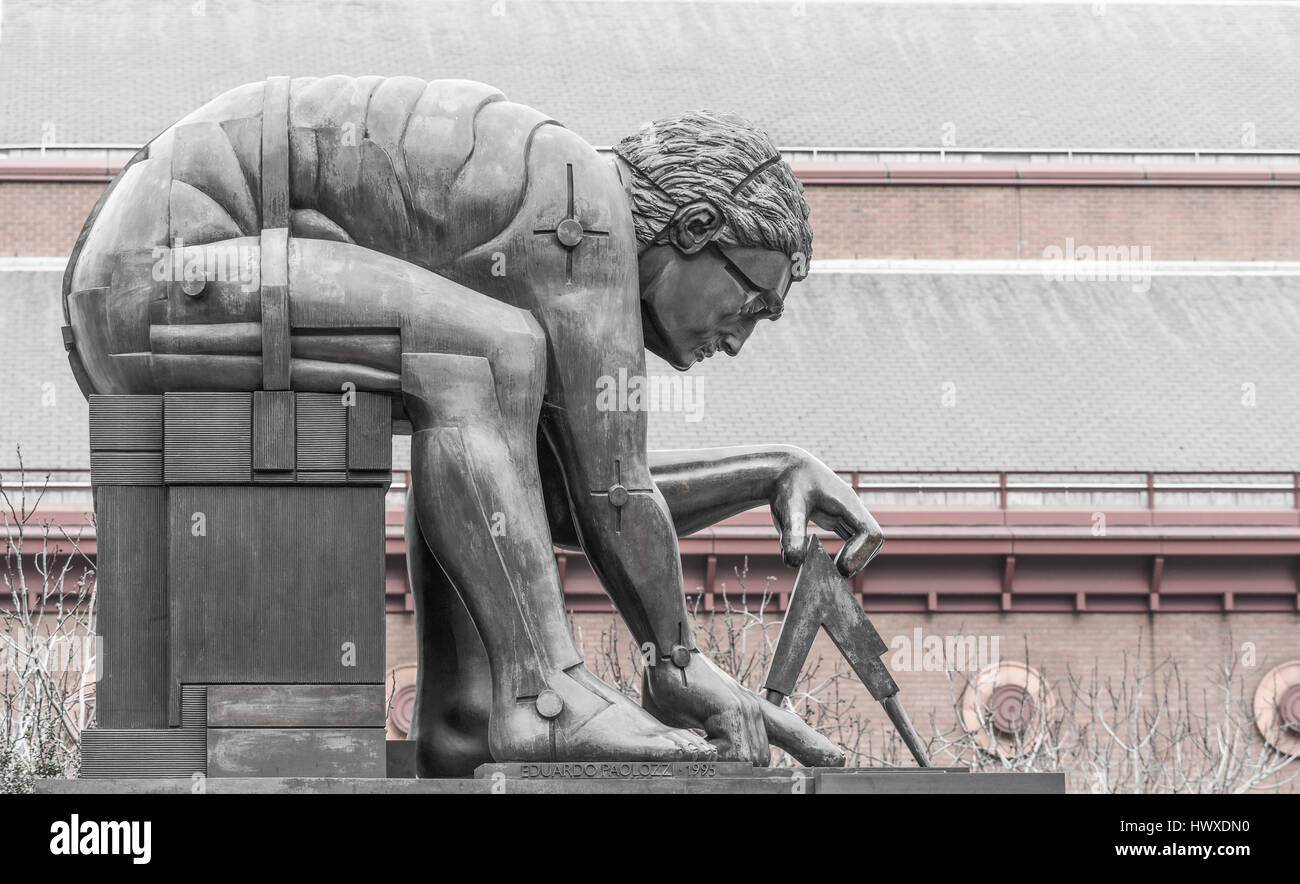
844,75
1046,375
41,408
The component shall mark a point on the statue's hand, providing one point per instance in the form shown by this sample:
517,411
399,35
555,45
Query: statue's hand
737,721
808,489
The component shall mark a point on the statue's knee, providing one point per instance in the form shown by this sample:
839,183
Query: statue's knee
445,389
519,363
442,389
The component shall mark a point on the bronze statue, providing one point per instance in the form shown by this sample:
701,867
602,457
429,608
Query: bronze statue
485,267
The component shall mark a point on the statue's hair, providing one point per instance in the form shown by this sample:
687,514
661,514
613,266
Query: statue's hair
724,159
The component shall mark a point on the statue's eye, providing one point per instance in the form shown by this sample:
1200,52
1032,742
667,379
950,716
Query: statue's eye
759,302
764,305
745,285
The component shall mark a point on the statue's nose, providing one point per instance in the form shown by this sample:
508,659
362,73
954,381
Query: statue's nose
733,341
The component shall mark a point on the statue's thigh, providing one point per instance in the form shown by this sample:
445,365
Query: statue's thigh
351,306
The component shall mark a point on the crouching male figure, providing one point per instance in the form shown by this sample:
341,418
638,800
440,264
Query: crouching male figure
486,267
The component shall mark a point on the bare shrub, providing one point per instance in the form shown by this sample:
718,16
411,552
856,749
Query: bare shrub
1144,730
46,641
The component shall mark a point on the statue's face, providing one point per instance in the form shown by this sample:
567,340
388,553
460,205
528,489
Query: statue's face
695,305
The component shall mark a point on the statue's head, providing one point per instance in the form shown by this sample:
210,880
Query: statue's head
722,228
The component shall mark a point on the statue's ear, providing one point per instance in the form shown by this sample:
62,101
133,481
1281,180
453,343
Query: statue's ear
694,226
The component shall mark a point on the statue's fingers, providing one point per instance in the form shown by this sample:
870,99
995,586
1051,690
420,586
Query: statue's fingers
843,528
794,538
853,557
731,734
860,549
787,731
790,517
762,752
743,719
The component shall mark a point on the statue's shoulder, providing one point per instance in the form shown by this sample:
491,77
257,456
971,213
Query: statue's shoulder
506,186
563,214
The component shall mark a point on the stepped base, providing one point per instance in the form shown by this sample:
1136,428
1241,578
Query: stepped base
727,780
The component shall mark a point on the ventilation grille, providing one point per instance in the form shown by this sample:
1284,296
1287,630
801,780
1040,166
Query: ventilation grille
164,752
209,437
126,467
322,428
126,423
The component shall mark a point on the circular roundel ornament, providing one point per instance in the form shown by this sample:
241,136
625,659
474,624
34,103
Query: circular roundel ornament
1007,707
1277,707
1012,707
549,704
401,700
569,232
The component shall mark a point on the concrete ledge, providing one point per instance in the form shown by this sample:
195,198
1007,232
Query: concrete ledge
357,786
900,781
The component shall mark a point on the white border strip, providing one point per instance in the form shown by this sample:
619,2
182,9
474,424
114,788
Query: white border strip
1047,268
884,266
30,264
1009,3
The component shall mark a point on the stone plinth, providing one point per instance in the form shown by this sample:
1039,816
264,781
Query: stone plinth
241,584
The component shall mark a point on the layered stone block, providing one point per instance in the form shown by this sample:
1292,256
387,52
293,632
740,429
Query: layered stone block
241,584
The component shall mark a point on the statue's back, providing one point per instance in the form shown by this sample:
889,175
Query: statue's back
425,172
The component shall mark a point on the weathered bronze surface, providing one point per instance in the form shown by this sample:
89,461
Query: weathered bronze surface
485,269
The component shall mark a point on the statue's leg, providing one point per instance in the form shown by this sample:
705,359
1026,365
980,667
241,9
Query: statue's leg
472,375
454,692
479,505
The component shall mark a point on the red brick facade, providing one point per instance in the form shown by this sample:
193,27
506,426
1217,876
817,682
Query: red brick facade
43,218
894,221
1050,643
995,222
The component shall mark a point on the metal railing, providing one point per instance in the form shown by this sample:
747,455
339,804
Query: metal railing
1006,488
1009,487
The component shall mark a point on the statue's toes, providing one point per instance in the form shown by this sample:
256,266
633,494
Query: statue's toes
698,748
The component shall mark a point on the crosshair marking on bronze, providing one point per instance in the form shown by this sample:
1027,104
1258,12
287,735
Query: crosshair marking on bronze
619,494
569,230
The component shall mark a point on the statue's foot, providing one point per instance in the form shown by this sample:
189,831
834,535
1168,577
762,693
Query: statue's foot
594,722
450,749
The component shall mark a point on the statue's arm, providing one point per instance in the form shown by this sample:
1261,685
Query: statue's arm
703,486
621,518
632,547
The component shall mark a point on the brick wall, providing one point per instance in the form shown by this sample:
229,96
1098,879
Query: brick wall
1178,223
990,222
43,218
1048,642
400,647
896,221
